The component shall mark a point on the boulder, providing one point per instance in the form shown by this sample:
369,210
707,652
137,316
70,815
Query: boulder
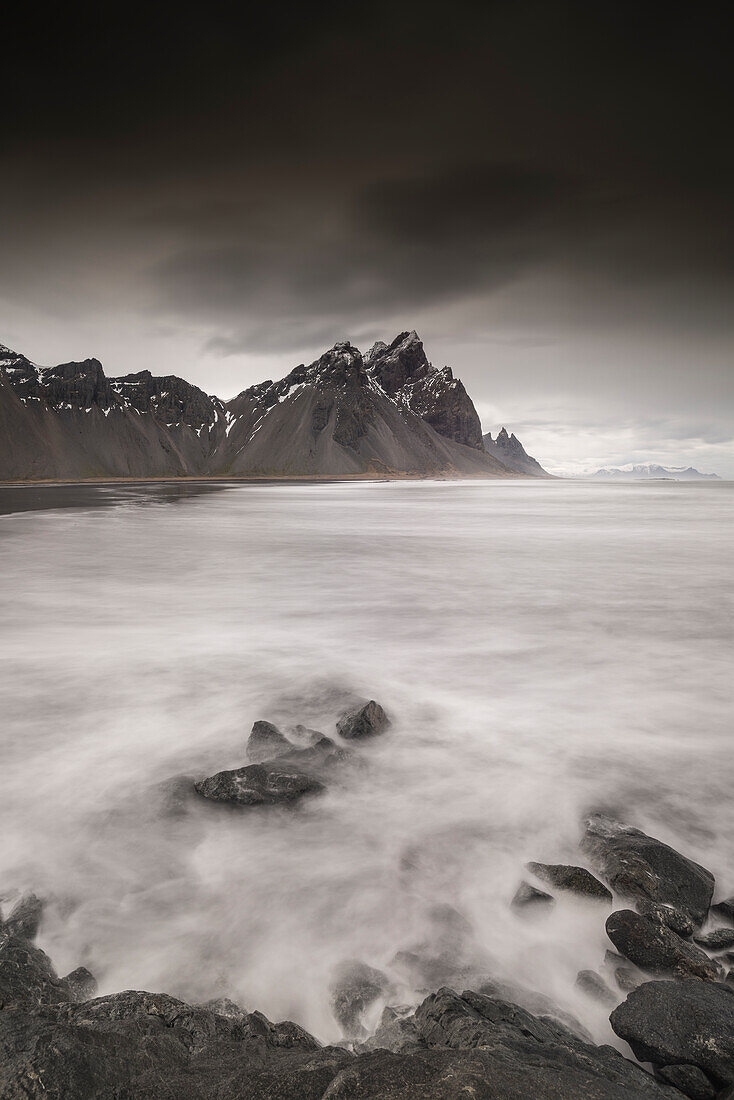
223,1006
266,742
145,1045
529,898
396,1031
689,1080
638,866
680,1023
27,976
354,989
364,722
718,940
672,918
175,794
575,879
81,983
653,947
594,986
259,785
25,917
724,909
627,977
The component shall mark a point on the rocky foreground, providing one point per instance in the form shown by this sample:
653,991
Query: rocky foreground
470,1035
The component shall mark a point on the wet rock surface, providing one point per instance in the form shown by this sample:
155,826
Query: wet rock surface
718,940
577,880
529,898
690,1080
266,742
681,1023
366,721
137,1045
354,990
259,785
638,866
594,986
655,948
672,918
24,918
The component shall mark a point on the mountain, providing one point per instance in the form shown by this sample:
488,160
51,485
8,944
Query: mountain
510,452
648,470
389,411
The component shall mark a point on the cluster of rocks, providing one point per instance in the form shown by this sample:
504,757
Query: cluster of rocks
282,771
683,1024
493,1041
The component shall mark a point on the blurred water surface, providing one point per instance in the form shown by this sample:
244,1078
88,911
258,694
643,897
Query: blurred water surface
543,648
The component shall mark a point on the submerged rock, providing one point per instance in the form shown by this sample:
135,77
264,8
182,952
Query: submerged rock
175,794
724,909
655,948
354,989
591,983
266,742
25,917
680,1023
258,785
575,879
528,897
638,866
364,722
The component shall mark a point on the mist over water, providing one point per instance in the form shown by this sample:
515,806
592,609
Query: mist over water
543,649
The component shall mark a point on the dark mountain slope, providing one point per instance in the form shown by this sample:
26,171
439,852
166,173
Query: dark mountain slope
334,417
508,450
389,412
405,374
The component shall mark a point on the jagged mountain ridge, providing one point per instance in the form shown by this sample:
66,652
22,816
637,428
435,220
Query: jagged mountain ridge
509,450
651,470
389,411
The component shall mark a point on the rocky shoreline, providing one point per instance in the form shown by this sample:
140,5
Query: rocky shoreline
668,979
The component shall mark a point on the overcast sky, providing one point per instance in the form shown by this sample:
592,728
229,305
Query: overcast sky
543,190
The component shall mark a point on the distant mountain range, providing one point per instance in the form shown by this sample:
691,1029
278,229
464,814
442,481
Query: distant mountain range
387,412
648,470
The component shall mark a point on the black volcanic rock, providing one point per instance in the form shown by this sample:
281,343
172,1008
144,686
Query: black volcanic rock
24,918
577,880
366,721
509,450
137,1045
594,986
655,948
403,371
528,897
672,918
267,784
680,1023
718,940
81,983
265,742
638,866
689,1080
724,909
27,976
171,399
354,989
